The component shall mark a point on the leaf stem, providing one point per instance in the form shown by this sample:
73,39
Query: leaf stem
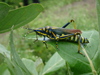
90,61
98,14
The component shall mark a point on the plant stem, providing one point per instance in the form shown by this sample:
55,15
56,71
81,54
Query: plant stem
98,14
90,61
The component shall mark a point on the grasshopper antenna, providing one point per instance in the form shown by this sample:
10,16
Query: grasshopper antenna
32,30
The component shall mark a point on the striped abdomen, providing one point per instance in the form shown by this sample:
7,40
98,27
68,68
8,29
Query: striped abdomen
76,38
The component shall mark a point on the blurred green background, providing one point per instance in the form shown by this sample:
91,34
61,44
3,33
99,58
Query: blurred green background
56,14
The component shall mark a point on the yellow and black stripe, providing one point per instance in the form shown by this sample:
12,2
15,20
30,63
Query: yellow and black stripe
77,38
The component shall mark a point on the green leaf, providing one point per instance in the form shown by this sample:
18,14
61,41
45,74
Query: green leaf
3,68
30,66
78,63
20,17
1,58
4,51
97,58
4,8
39,65
53,64
16,65
6,72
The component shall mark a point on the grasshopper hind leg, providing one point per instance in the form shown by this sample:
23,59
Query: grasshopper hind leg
68,24
79,46
80,52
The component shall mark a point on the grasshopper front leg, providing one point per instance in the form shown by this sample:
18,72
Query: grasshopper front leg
36,38
45,42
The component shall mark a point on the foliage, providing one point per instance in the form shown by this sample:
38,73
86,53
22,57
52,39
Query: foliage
11,63
98,14
40,68
78,63
98,11
16,66
19,17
